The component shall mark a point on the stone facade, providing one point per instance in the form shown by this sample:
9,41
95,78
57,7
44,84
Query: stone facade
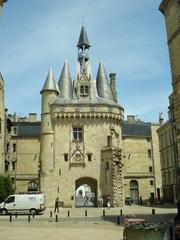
168,165
171,11
83,140
142,176
22,152
80,119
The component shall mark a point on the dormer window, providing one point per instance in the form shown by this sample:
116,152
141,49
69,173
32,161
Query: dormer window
84,90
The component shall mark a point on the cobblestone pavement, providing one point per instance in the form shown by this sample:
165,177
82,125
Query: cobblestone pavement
73,224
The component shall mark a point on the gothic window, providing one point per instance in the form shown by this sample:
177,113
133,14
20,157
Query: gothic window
32,186
84,90
77,133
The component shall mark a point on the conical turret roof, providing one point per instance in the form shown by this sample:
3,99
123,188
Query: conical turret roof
83,39
50,84
103,86
65,83
1,77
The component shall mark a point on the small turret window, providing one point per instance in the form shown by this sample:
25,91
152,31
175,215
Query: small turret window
84,90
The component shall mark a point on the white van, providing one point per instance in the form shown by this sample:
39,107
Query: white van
31,203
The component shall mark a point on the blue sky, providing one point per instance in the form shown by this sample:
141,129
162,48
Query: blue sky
128,36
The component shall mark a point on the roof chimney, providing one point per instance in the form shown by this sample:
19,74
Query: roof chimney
32,117
131,118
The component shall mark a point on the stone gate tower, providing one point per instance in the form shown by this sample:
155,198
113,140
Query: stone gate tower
81,139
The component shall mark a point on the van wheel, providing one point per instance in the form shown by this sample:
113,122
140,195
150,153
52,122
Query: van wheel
4,211
33,211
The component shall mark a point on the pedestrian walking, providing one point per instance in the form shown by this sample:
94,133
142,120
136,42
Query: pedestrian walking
56,205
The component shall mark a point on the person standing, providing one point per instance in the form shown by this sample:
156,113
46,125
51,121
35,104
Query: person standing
56,205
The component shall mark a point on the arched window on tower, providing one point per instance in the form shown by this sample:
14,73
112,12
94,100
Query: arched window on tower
32,186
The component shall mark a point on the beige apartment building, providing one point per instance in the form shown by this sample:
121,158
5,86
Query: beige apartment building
142,172
171,11
168,165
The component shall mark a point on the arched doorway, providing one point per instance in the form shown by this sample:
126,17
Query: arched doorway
134,192
86,192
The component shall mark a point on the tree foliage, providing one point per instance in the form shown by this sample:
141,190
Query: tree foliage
6,187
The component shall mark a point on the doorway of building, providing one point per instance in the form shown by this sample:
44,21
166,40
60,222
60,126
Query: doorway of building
86,192
134,192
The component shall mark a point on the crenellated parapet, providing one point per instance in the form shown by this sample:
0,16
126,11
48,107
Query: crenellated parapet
87,112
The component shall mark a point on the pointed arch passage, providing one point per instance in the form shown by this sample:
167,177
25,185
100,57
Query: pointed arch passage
86,192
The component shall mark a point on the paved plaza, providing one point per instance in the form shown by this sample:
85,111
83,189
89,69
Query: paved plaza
73,224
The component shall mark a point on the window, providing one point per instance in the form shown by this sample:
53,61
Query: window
149,153
14,130
89,157
14,147
65,157
84,90
7,147
10,199
151,182
107,165
13,166
109,141
150,169
78,133
32,186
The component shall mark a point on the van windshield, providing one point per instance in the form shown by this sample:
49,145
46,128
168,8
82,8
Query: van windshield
10,199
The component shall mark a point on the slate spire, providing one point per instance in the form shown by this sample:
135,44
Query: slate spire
103,86
83,39
50,84
65,83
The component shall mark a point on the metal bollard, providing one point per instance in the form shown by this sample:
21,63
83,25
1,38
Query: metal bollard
104,213
50,214
153,211
56,218
121,212
118,220
29,217
85,213
68,213
10,217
